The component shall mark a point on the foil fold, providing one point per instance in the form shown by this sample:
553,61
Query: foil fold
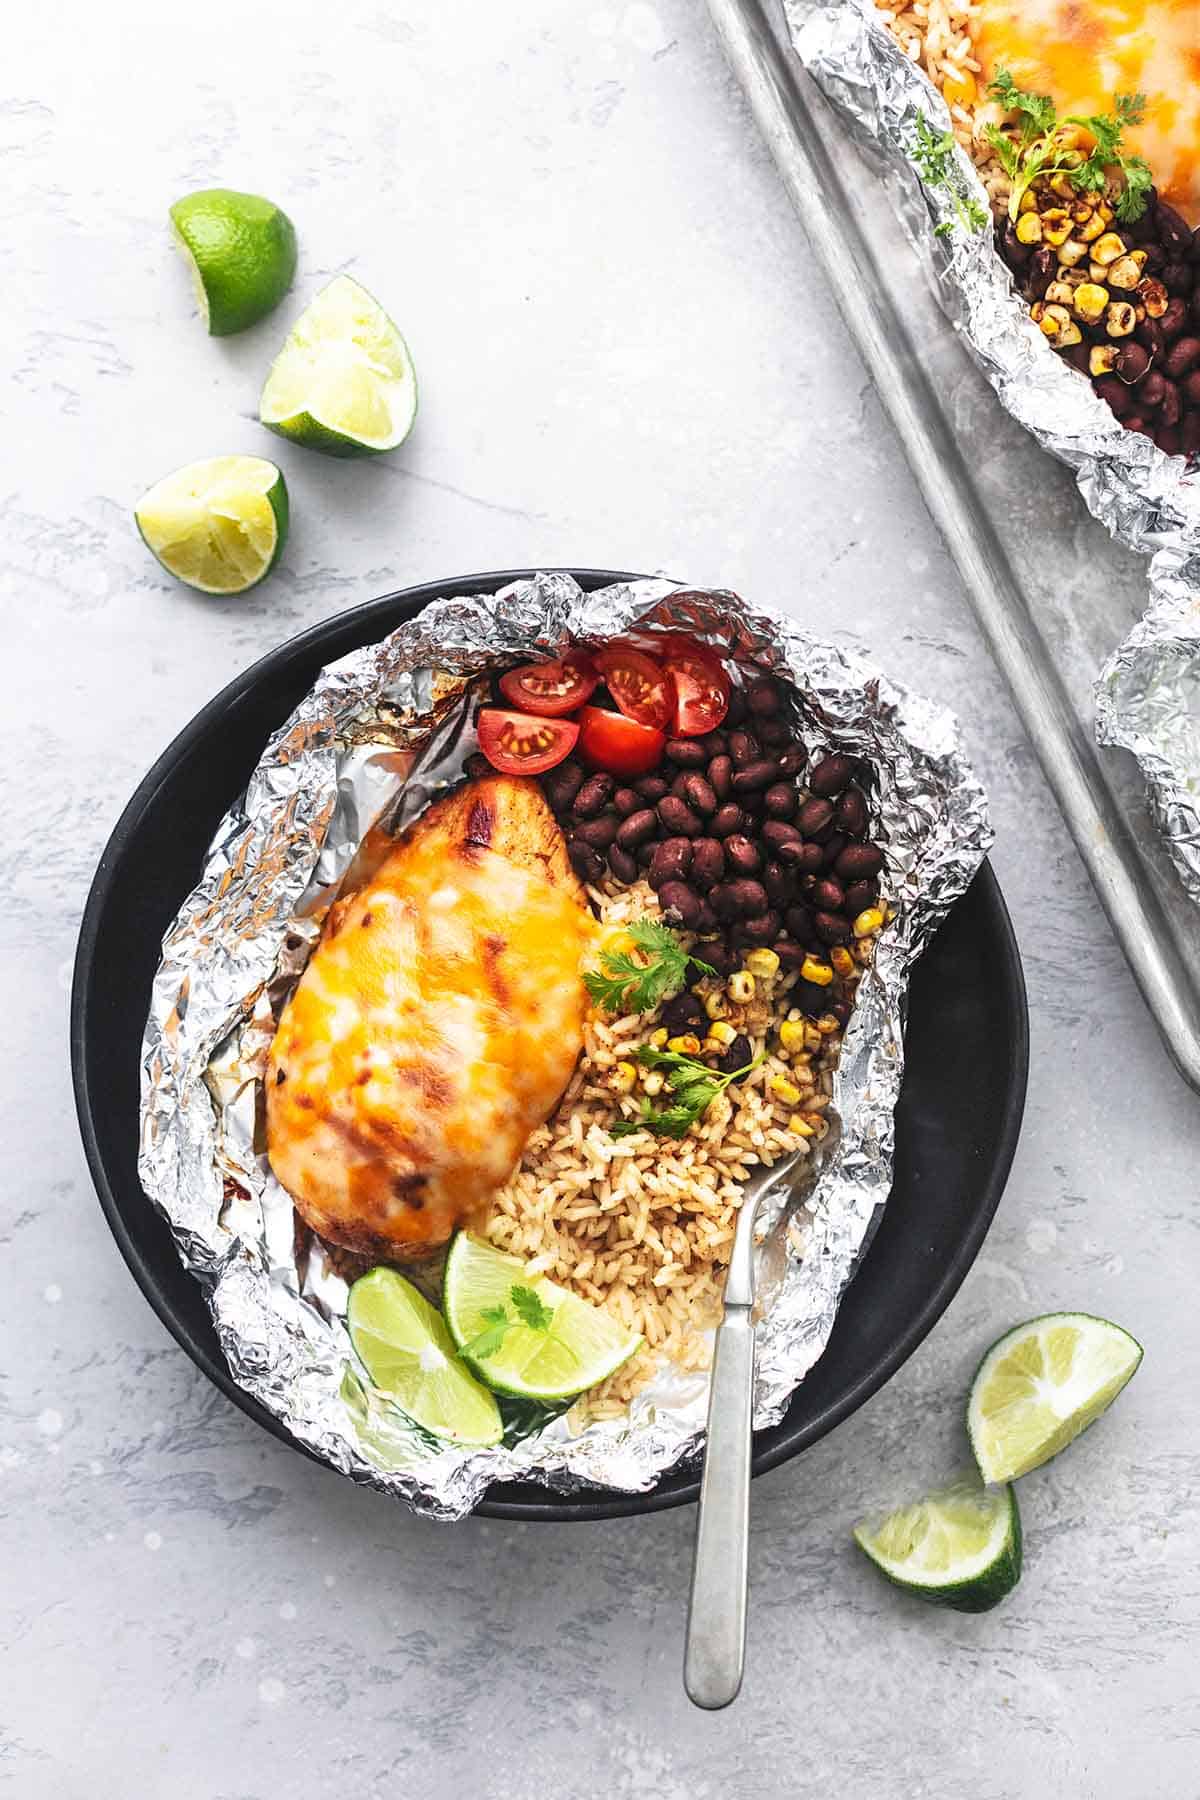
1148,694
382,732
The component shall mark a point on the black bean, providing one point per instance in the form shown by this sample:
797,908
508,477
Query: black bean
683,1013
706,919
793,760
699,795
774,879
798,920
708,862
779,800
810,997
685,753
679,784
860,894
680,904
737,708
742,854
587,863
831,775
775,734
637,828
748,898
719,956
762,930
678,818
832,848
736,1056
830,928
626,801
599,833
850,813
1174,234
815,817
1174,320
671,860
561,785
763,697
751,777
778,832
803,858
828,895
1170,407
1178,277
477,766
623,866
790,955
652,788
720,776
714,743
744,748
859,862
1180,359
726,820
594,795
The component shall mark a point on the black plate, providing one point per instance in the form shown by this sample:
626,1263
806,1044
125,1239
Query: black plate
956,1125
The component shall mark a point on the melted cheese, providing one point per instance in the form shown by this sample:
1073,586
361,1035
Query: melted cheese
1082,52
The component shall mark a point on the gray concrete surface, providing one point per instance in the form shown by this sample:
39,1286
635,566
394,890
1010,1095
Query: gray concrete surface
626,360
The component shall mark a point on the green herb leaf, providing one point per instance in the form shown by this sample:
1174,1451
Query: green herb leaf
486,1343
934,155
626,983
694,1087
1039,149
533,1312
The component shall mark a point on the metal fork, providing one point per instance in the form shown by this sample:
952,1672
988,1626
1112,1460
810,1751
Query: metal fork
716,1627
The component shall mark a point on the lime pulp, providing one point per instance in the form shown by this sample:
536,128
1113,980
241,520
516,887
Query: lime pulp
218,525
402,1342
959,1547
343,382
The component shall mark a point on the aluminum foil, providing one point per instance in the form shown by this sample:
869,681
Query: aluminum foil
382,732
1148,691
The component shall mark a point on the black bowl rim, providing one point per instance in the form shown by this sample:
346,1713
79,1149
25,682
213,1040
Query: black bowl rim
529,1505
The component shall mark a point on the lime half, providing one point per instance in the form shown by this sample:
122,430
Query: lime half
242,254
578,1346
405,1348
344,381
1041,1385
961,1547
219,525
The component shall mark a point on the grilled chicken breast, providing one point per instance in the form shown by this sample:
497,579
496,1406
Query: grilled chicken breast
437,1023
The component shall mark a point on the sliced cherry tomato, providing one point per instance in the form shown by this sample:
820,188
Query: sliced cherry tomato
640,686
617,744
551,689
702,687
518,744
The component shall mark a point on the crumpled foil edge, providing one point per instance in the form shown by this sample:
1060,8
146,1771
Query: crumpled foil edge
330,770
1147,500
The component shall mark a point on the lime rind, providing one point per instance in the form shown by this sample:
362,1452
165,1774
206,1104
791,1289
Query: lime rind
218,525
404,1346
1041,1385
960,1547
241,254
582,1347
344,382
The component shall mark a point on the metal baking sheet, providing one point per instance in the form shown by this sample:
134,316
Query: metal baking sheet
1052,593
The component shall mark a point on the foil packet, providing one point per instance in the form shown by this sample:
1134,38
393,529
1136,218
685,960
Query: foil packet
1148,693
384,731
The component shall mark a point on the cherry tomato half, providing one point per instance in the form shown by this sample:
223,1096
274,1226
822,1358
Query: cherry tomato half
617,744
640,686
702,687
518,744
551,689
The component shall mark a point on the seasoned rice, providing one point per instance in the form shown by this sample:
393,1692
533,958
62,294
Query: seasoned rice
643,1225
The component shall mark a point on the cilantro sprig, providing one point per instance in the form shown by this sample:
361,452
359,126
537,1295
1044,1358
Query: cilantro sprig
1038,146
529,1310
934,155
694,1087
625,983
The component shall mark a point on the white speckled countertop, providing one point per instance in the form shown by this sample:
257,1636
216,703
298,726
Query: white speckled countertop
625,360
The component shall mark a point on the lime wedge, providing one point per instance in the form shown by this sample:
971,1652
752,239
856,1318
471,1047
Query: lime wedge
405,1348
961,1547
219,525
242,254
344,381
1041,1385
579,1346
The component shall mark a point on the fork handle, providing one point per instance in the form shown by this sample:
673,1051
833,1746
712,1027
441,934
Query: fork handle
716,1626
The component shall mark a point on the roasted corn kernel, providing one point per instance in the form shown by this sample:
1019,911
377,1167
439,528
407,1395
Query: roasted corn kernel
716,1005
784,1090
812,1037
869,919
1126,272
791,1034
1104,212
1054,322
762,962
740,987
812,970
687,1045
1102,359
1087,234
1090,301
1028,201
1029,228
1060,184
721,1033
1071,252
652,1082
800,1125
1107,248
624,1078
842,960
1056,225
659,1038
1059,294
1120,319
1153,296
828,1024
